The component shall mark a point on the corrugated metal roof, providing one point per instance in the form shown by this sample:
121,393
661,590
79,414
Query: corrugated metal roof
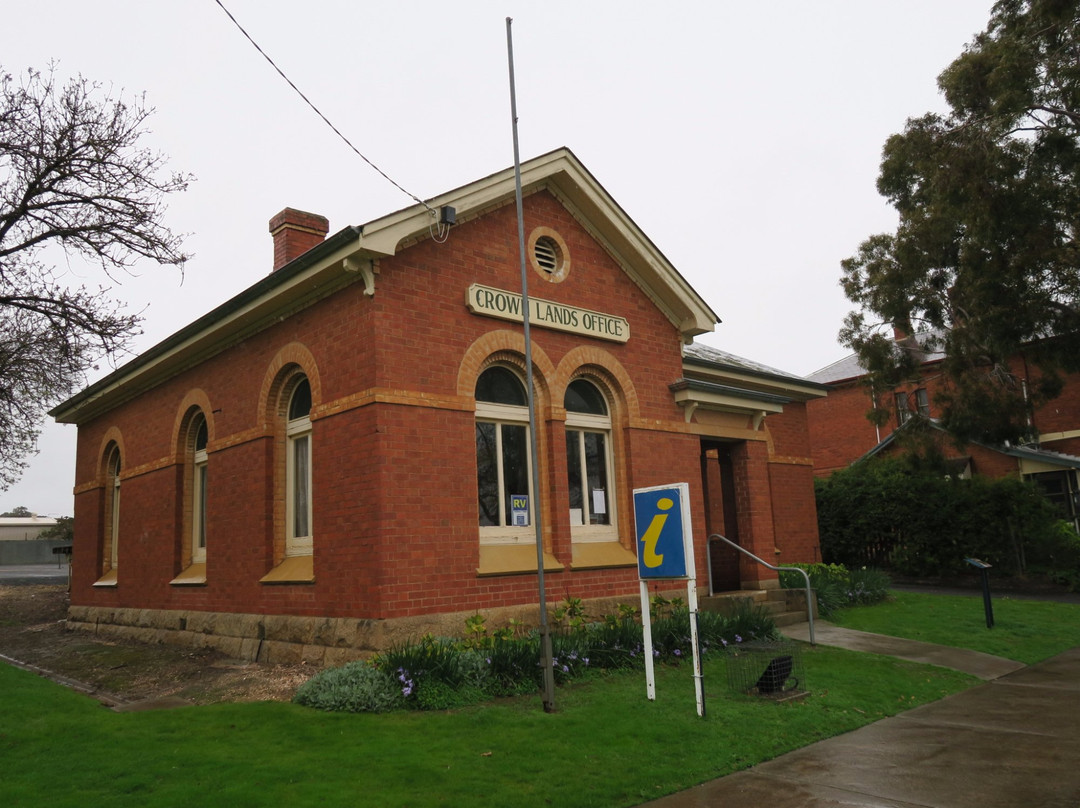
710,354
838,371
850,368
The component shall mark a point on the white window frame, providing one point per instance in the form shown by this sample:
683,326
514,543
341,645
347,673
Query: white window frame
296,431
198,502
581,423
903,411
511,415
114,511
922,402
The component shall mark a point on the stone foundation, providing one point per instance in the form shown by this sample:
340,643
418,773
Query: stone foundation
289,639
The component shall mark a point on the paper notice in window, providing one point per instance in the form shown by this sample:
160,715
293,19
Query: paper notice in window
599,501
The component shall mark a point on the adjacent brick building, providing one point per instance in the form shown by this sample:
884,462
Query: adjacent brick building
337,455
841,433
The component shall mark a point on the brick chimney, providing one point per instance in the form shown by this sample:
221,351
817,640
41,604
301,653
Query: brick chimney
295,232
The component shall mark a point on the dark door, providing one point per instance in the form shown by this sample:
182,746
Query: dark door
718,483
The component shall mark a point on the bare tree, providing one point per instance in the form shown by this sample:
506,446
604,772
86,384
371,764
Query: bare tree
74,183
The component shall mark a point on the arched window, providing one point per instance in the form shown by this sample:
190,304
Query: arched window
503,461
111,534
198,492
194,440
298,540
589,463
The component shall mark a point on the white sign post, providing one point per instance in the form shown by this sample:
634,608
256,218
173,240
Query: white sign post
665,550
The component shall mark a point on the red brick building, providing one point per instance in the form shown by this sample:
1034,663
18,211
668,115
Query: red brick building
336,456
841,433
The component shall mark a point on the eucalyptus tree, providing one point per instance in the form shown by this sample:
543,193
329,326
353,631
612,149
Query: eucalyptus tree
984,265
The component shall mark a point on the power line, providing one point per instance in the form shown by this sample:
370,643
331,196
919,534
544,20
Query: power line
326,120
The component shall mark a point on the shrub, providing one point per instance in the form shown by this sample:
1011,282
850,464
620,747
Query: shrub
912,518
440,673
866,586
1058,557
836,586
353,688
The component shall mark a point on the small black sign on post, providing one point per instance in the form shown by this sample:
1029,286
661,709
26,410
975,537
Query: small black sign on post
988,607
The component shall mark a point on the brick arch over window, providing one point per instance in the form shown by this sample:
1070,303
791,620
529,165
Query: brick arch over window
587,362
111,436
293,364
196,402
291,360
111,462
191,480
508,348
607,374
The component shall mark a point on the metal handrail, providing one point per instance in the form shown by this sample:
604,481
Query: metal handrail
809,602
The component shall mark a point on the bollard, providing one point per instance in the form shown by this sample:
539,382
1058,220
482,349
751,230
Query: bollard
988,607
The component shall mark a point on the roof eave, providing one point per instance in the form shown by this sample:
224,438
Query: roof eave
244,313
791,386
559,171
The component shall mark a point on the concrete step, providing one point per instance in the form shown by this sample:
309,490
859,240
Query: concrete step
789,618
784,606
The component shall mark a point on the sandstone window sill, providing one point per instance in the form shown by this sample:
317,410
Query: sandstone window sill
513,559
195,575
108,579
601,554
293,570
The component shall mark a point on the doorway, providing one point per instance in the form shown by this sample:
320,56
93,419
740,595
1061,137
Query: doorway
721,516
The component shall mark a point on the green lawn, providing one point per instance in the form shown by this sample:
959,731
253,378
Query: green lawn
1025,630
606,745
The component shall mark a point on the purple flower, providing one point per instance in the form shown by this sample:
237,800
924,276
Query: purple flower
677,652
738,638
723,641
565,669
586,660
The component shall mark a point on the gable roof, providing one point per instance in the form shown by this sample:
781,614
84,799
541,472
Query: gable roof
850,368
338,260
1034,454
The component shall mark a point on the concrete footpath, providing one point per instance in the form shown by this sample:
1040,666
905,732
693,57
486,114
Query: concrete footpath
1013,741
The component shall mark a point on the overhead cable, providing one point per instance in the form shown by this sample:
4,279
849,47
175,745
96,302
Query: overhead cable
319,113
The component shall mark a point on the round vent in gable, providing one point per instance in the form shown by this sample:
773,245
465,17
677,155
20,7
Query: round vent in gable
548,255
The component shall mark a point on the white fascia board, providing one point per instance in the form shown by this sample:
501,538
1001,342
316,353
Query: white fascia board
771,384
726,403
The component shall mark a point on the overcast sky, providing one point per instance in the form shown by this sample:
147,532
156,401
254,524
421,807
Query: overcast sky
743,138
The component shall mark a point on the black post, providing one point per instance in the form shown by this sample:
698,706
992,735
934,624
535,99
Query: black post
988,607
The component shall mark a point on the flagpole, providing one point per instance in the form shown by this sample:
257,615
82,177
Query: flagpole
537,509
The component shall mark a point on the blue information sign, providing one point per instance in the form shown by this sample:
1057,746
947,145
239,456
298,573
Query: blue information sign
658,516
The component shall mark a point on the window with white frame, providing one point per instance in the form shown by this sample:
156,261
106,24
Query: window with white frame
198,493
112,492
503,459
922,402
298,540
903,412
589,463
